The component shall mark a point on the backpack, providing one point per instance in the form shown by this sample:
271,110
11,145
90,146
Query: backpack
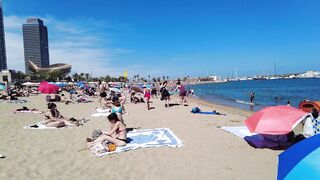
195,110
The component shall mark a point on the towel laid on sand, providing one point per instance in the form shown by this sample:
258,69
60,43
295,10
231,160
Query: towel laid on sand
102,110
41,125
258,140
29,111
143,139
19,101
100,114
240,131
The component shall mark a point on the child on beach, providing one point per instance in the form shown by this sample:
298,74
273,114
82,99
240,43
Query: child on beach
117,134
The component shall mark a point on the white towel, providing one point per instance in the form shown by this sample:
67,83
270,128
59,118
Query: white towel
143,139
101,114
240,131
41,125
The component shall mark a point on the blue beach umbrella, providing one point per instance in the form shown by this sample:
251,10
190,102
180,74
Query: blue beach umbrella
301,161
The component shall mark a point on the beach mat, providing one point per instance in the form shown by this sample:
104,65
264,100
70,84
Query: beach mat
33,112
102,110
143,139
41,125
209,113
101,114
19,101
240,131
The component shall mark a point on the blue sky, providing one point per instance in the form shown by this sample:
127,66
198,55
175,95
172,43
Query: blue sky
174,38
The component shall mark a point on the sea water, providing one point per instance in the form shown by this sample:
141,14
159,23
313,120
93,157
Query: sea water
237,93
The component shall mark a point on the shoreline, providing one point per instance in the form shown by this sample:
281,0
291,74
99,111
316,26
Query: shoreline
220,106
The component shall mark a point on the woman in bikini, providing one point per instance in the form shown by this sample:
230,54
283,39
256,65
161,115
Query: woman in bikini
147,96
55,119
115,107
117,134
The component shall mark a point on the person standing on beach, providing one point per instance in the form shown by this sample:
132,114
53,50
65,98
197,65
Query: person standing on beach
182,93
147,96
165,95
252,96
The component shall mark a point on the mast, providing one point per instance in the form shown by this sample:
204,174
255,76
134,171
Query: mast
275,69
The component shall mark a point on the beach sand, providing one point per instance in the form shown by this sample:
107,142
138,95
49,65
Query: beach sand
207,153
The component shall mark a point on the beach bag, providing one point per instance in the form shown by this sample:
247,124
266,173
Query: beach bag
316,126
195,110
96,133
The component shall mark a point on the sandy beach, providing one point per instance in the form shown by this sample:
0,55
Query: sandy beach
207,153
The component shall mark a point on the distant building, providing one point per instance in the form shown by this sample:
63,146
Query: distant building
35,41
8,76
310,74
3,57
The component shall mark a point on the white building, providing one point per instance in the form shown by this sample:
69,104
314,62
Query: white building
309,74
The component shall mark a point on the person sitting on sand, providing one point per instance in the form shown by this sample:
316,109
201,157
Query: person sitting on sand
134,98
55,119
117,134
26,109
311,124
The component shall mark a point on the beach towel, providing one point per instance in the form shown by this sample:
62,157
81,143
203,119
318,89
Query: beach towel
257,140
101,114
240,131
19,101
102,110
41,125
143,139
197,110
208,113
29,111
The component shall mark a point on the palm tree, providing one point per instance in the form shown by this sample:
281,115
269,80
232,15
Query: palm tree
75,76
87,76
167,77
164,78
138,77
149,78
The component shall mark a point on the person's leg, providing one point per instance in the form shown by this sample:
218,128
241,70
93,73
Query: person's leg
146,100
103,137
55,124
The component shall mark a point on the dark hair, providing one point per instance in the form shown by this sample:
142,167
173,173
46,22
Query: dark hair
315,113
115,99
178,83
51,105
113,116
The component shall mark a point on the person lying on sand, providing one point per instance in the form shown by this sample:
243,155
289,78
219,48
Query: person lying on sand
117,134
25,109
55,119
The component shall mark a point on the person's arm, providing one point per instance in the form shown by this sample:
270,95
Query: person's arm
116,126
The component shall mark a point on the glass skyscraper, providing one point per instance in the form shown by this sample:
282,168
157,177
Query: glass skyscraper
3,57
35,41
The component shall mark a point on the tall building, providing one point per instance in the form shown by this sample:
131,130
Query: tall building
35,41
3,57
